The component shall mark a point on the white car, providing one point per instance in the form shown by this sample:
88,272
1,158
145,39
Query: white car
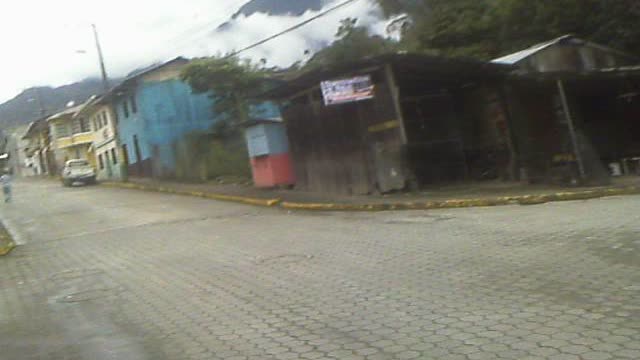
78,170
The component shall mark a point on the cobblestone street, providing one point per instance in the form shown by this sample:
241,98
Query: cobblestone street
105,273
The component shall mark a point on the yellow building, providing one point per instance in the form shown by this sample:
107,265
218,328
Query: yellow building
109,162
72,135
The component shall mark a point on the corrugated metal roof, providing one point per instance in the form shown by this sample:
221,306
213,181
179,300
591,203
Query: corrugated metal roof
73,110
131,77
516,57
145,70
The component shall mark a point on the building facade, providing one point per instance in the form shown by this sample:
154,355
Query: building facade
71,136
154,109
108,157
574,107
419,120
38,148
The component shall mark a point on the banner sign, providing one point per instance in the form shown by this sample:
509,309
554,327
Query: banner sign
347,90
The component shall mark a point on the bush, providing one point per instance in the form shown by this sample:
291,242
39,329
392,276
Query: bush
202,157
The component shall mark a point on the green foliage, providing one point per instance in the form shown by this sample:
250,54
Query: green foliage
352,43
488,28
392,7
201,156
225,159
233,81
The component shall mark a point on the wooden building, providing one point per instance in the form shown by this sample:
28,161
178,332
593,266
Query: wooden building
575,110
427,120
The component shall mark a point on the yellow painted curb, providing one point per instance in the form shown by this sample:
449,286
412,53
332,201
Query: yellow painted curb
427,205
465,203
5,250
6,242
206,195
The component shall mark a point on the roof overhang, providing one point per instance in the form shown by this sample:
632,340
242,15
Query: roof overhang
519,56
132,79
35,127
600,74
407,67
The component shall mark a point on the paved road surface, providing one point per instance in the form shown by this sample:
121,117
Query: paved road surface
119,274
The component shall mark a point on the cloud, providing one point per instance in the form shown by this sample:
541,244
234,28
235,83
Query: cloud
40,46
290,47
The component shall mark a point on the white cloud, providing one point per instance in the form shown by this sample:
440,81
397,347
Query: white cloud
40,38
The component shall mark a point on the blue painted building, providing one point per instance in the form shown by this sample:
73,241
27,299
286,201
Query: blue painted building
154,110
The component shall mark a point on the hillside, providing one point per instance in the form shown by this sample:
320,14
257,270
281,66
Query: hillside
280,7
275,8
24,108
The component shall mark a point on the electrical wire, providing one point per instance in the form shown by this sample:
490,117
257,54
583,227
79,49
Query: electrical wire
290,29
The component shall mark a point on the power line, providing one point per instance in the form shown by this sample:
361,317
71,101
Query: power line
290,29
189,33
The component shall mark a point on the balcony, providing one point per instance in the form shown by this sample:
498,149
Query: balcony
75,139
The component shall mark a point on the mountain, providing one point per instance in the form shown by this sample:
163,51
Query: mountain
24,108
275,8
280,7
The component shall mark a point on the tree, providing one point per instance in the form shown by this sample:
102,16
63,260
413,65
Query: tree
352,43
446,27
232,83
488,28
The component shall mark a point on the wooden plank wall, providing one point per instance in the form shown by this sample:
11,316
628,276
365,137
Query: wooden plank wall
331,146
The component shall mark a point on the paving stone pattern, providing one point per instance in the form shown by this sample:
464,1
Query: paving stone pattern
120,274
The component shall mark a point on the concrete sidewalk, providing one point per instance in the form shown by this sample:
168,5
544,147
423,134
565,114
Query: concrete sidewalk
450,196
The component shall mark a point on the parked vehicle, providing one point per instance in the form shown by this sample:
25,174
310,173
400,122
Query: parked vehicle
78,170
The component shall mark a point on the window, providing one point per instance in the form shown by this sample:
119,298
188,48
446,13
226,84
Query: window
61,130
125,109
84,125
114,157
134,105
101,161
105,119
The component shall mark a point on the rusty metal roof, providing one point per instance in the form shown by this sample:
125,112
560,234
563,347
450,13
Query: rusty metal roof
406,65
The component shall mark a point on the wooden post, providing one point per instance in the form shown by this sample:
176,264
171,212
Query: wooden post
509,119
395,94
572,130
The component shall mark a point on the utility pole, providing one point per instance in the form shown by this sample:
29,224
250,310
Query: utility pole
105,79
40,103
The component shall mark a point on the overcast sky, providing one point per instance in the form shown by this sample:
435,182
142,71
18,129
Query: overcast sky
40,39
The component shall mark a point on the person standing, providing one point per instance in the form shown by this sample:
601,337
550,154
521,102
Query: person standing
5,179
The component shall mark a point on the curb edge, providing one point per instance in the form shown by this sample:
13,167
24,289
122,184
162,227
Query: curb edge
377,207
